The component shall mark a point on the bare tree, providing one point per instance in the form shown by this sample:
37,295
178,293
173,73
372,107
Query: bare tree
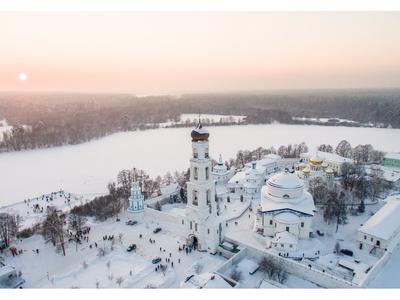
9,225
53,227
119,280
273,269
236,275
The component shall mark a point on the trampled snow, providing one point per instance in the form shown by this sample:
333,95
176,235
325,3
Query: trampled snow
88,167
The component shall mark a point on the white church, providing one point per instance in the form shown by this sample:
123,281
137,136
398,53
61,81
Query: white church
286,211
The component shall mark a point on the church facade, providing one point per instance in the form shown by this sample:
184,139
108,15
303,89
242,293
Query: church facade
286,211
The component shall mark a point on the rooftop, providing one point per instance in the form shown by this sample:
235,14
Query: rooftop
286,180
328,156
393,156
386,221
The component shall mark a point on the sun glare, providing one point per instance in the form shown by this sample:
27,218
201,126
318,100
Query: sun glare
22,76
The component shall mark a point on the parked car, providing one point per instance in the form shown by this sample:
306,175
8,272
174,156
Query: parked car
131,247
346,252
131,222
158,229
156,260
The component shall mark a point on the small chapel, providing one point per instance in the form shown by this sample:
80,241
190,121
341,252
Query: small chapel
136,202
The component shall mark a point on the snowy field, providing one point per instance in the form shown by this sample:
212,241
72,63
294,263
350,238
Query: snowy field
85,269
87,168
33,210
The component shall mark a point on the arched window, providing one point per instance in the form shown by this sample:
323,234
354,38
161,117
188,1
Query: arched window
195,199
286,196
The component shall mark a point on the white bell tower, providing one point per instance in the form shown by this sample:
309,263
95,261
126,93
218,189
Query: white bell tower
202,223
201,187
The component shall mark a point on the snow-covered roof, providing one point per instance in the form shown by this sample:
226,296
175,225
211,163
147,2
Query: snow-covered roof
388,173
206,280
332,157
285,180
272,156
267,285
265,161
6,270
386,221
285,237
393,155
169,189
238,177
304,204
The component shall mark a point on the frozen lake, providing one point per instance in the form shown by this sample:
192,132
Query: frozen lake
87,168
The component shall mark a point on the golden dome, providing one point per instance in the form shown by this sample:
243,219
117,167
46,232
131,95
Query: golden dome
316,160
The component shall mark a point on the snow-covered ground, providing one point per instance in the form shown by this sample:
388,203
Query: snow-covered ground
89,167
84,268
33,210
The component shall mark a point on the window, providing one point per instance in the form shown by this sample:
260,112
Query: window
206,153
291,246
195,173
286,196
207,173
302,224
372,239
195,155
378,243
365,237
282,245
270,222
191,225
208,230
183,222
287,228
195,199
195,226
208,196
275,225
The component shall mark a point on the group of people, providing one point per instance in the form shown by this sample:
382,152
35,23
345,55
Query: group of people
108,237
81,234
37,208
14,251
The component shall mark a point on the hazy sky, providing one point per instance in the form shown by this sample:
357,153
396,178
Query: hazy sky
153,53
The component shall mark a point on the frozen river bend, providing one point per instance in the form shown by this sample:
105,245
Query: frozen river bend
87,168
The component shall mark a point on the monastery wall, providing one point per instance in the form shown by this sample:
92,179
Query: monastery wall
318,277
377,267
170,221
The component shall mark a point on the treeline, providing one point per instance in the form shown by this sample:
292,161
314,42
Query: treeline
360,153
47,120
110,205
